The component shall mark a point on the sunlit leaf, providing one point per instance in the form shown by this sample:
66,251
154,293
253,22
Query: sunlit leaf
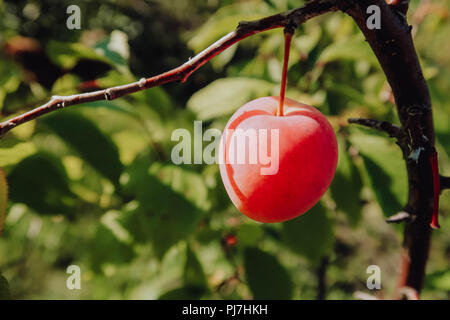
67,55
305,42
224,96
115,48
14,154
352,49
249,235
66,85
40,182
226,20
157,99
118,106
346,186
439,280
10,78
220,61
385,168
87,139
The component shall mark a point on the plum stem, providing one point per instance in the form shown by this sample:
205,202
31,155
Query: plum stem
288,33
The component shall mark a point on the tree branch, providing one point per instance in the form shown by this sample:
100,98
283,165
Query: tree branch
394,48
245,29
391,129
444,182
322,278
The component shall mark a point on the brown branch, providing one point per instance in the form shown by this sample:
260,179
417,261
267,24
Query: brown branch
181,73
322,278
394,48
444,182
391,129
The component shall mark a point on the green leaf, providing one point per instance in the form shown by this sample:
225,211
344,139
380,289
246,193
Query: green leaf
111,221
4,289
16,153
137,222
266,277
385,169
183,293
40,182
220,61
346,186
187,183
106,247
224,96
249,234
115,48
172,199
157,99
225,20
439,280
3,199
442,125
66,85
194,275
311,234
352,49
307,41
118,106
350,94
86,138
67,55
10,78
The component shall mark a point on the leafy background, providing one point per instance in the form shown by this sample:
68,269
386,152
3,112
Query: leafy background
93,185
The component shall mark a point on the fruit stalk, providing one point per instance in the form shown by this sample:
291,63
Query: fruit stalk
288,33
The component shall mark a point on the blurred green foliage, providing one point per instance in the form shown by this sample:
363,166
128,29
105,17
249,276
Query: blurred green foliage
94,186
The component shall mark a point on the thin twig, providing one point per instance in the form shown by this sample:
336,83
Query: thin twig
181,73
444,182
399,217
322,279
391,129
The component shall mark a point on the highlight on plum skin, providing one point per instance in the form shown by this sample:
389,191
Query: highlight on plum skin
305,153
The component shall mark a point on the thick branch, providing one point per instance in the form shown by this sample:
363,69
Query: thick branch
394,48
181,73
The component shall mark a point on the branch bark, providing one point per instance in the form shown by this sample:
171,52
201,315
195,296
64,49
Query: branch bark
245,29
394,48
